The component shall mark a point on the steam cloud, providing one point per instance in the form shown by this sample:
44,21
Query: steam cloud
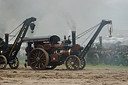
50,14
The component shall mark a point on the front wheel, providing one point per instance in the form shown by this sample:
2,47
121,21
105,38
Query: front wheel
116,60
83,63
14,64
72,62
3,62
125,62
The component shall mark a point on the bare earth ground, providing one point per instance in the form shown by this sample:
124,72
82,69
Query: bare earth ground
61,76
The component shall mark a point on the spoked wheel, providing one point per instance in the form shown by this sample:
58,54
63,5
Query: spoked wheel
38,59
125,62
116,60
14,64
83,63
72,62
3,62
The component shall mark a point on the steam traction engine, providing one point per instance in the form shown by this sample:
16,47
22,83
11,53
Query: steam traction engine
47,52
8,52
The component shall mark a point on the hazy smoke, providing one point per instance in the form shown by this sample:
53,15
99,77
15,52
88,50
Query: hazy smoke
2,27
51,18
70,22
14,12
2,30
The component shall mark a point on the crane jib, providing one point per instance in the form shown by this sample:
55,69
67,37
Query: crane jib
21,35
17,39
85,50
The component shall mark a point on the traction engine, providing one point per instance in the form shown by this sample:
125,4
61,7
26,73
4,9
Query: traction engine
47,53
8,52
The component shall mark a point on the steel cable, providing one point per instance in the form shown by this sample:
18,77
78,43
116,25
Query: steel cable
15,28
14,36
88,36
85,32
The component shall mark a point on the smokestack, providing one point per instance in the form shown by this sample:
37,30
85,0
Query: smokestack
100,39
73,37
6,38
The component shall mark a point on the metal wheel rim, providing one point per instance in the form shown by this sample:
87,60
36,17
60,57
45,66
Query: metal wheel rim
116,60
125,63
3,62
83,63
38,59
14,64
72,62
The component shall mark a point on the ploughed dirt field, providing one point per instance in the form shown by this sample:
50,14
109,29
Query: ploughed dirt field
61,76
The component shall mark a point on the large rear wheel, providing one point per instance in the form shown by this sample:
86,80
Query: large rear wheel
38,59
3,62
72,62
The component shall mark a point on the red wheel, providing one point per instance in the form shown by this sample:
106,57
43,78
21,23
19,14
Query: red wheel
38,59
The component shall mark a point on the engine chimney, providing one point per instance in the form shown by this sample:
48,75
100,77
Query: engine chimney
6,38
73,37
100,39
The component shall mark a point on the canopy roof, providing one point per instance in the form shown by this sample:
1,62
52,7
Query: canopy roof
53,38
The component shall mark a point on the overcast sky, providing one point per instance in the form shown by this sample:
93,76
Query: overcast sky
60,16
